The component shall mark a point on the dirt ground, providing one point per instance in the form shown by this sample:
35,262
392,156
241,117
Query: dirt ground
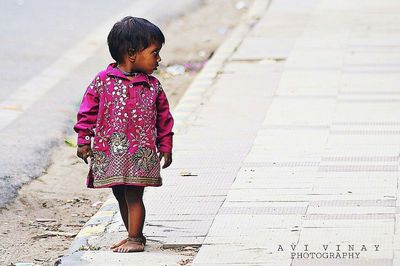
39,225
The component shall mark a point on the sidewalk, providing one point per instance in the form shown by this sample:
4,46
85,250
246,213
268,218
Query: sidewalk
291,133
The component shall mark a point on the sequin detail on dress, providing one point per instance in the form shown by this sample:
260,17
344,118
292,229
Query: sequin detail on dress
118,143
145,159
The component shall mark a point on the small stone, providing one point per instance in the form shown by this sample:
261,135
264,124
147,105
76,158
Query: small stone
96,204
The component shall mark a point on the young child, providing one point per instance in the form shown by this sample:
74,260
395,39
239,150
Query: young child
126,112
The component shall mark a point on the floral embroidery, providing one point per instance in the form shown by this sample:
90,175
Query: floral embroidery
145,158
118,143
97,85
99,163
119,95
147,96
159,87
125,127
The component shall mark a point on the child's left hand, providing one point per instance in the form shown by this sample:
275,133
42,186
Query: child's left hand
167,158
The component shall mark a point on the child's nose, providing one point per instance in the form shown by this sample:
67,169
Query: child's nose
159,59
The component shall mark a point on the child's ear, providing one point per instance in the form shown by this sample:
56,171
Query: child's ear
132,55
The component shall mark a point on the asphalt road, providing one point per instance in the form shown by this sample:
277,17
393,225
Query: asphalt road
67,38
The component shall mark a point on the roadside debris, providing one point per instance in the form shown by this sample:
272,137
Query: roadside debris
70,143
194,66
38,259
180,69
45,220
77,200
76,224
54,233
175,70
190,249
185,173
97,203
184,261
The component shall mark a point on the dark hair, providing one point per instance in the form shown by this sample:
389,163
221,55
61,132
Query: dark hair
132,33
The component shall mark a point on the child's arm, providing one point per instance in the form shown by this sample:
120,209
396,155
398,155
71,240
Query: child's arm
86,121
165,122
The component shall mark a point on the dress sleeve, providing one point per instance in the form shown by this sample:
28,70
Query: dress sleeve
165,122
87,115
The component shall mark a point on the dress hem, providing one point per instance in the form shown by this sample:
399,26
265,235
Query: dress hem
124,180
126,184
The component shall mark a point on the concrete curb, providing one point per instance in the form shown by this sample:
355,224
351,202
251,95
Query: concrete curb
184,114
95,226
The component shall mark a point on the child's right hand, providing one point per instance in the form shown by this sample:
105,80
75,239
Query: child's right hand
84,152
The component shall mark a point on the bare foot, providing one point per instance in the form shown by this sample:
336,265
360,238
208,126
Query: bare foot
131,245
123,241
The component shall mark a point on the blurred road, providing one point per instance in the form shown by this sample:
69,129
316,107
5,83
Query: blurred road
50,52
36,33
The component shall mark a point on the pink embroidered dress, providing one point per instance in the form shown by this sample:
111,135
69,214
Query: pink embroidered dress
129,122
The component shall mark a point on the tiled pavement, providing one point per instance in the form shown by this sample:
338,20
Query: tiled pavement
295,142
324,166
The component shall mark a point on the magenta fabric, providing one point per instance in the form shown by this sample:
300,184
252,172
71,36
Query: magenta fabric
129,121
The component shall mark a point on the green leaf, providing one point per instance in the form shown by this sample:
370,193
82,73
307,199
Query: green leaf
70,143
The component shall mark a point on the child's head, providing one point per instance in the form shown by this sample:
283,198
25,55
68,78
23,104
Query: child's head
132,35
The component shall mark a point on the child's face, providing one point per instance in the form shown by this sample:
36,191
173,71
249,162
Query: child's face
147,60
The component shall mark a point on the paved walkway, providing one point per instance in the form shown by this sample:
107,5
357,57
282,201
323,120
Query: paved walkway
292,134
